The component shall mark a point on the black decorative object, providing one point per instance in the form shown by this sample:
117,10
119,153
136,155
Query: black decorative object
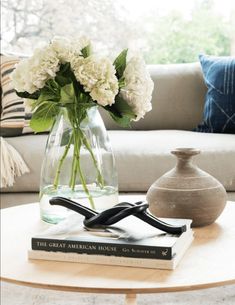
95,220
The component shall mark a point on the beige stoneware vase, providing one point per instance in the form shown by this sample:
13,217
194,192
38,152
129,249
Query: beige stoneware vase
187,192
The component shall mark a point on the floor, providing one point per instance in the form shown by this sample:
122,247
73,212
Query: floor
18,295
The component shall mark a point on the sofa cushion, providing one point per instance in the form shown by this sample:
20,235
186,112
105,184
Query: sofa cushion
179,89
31,149
141,157
219,111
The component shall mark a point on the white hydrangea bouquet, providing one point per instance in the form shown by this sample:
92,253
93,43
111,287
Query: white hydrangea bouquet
66,74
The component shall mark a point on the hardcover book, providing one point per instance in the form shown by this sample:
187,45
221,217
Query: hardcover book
130,242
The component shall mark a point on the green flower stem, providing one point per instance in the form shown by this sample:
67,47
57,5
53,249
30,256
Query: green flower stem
57,176
74,167
78,138
100,178
77,147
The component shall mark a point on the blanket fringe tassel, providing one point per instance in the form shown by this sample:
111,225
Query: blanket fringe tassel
12,164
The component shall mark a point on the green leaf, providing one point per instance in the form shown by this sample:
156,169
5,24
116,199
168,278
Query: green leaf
53,86
50,92
62,80
123,108
64,68
84,97
87,105
121,82
86,51
81,110
120,63
64,75
67,94
121,112
44,116
122,121
25,94
47,95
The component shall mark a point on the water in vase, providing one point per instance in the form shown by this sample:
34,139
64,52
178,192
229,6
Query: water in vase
103,199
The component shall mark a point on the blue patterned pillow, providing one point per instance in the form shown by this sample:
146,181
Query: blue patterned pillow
219,109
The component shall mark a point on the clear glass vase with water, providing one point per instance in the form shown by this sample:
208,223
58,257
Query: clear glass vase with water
78,164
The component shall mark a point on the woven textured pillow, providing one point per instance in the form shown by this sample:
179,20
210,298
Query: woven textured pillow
14,116
219,109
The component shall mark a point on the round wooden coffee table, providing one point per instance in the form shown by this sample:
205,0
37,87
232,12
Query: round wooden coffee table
209,262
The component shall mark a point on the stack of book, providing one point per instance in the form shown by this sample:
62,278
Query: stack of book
130,242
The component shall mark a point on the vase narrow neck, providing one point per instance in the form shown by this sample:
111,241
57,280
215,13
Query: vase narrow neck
184,157
184,163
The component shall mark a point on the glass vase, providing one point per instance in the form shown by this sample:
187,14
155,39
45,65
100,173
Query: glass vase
78,164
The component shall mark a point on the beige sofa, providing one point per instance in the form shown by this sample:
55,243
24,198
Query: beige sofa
143,153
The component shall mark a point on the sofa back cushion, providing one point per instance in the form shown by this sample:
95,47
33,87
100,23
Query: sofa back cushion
177,101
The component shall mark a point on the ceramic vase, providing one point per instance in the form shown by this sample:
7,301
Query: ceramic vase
187,192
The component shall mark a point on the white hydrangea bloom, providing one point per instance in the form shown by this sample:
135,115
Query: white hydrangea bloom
61,47
68,50
20,77
81,42
105,93
32,74
43,66
139,87
97,75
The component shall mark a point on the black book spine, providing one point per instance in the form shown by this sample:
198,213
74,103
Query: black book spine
90,247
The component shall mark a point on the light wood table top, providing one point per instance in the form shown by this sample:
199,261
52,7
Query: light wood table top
209,262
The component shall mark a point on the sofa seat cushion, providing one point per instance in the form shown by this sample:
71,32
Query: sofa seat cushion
31,149
141,157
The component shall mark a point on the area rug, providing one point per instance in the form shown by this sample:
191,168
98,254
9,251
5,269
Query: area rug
19,295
